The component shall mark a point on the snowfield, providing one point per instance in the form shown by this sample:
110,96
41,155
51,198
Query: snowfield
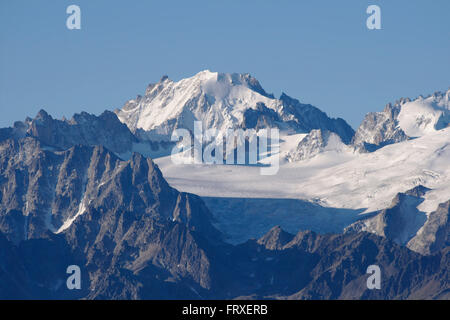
345,184
424,116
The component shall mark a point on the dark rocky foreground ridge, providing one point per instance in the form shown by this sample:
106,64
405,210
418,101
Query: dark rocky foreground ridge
73,201
178,263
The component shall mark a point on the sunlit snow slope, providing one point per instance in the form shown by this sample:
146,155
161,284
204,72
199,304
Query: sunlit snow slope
221,101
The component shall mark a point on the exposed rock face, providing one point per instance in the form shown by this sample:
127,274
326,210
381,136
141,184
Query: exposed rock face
261,117
316,142
406,225
83,128
435,233
116,219
313,266
172,266
403,120
275,239
47,191
307,117
379,129
337,275
400,222
138,256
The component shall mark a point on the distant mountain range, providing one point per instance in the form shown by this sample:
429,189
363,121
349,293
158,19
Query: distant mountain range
102,192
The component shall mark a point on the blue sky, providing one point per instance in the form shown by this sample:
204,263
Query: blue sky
319,52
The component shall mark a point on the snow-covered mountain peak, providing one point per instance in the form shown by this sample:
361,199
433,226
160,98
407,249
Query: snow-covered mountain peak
425,115
221,101
402,120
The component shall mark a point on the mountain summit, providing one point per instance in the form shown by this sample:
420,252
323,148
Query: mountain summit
221,101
